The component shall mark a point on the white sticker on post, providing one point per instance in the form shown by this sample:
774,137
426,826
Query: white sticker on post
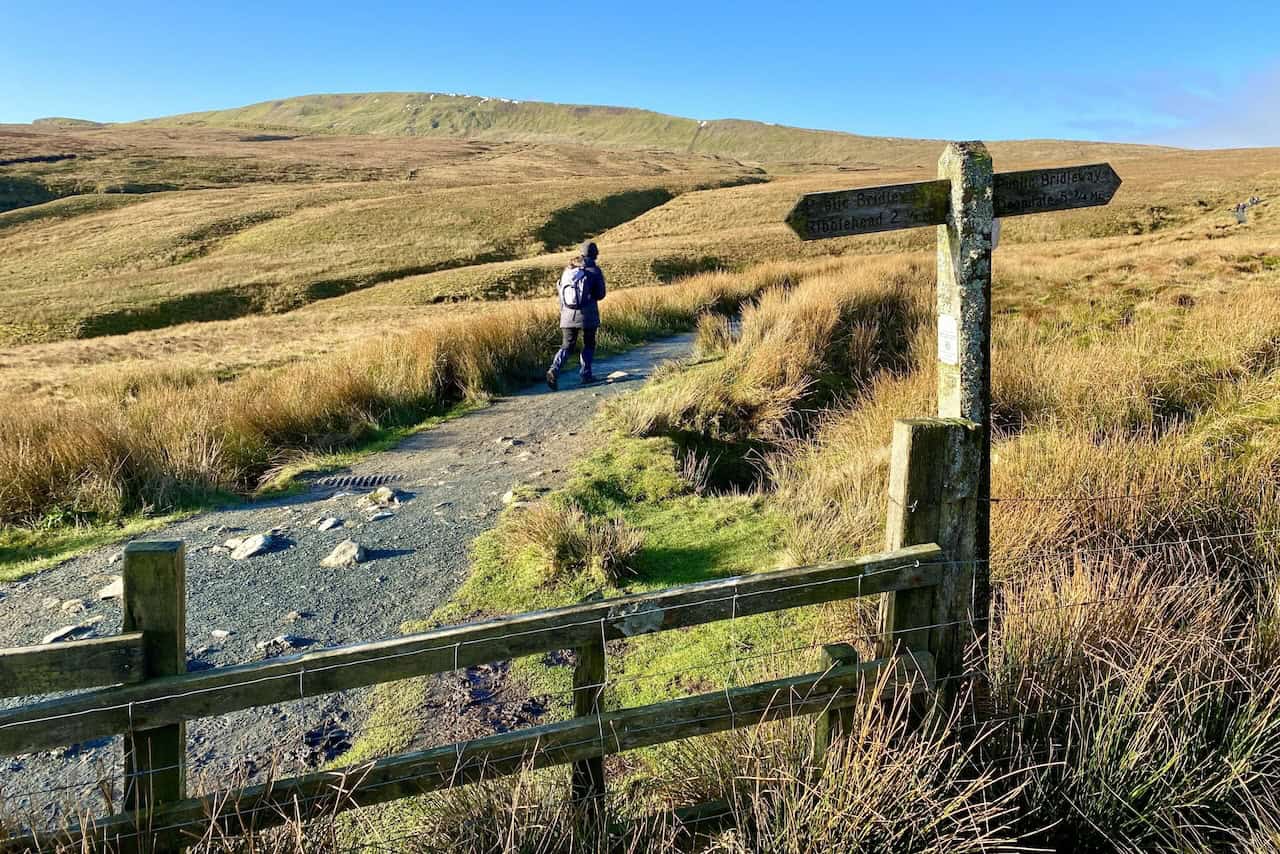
948,340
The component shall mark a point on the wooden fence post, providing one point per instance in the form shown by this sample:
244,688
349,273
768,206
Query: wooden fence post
833,723
155,605
933,491
964,331
588,688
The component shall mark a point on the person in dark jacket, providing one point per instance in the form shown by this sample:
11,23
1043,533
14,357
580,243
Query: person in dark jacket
581,288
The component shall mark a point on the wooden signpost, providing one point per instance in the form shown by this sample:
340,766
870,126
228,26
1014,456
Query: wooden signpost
962,203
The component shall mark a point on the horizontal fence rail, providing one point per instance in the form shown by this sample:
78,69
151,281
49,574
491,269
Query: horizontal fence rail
327,793
170,700
71,665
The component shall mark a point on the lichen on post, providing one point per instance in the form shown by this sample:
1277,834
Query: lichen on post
964,333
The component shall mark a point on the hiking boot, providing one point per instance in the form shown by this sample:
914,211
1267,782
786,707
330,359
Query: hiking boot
552,382
588,379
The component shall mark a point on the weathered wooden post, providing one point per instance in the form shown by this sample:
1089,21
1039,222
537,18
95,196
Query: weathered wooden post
940,486
588,687
155,605
933,498
833,723
964,344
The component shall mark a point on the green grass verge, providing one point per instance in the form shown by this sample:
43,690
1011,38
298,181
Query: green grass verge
687,538
24,551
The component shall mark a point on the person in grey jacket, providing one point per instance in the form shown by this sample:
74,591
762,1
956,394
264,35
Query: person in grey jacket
581,288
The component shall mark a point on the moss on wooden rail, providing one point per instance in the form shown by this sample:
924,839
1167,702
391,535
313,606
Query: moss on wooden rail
157,702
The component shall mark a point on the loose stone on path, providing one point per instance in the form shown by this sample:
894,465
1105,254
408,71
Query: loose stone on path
250,546
347,553
114,590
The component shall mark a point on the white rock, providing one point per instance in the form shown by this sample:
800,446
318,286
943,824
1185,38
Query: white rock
252,546
219,634
347,553
73,606
328,524
114,590
116,558
69,632
284,641
617,375
50,602
509,497
380,515
233,543
60,634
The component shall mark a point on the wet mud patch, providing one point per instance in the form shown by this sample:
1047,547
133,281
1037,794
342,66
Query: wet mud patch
485,695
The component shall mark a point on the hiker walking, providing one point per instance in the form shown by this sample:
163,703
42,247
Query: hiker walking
581,288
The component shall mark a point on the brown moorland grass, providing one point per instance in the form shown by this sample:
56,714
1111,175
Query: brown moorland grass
219,254
1170,222
1133,703
158,443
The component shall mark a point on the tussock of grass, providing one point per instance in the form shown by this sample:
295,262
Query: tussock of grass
568,540
1144,711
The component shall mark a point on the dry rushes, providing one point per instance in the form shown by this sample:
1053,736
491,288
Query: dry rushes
797,350
884,787
1140,705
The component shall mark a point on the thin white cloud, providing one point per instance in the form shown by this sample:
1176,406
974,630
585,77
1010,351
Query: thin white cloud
1245,116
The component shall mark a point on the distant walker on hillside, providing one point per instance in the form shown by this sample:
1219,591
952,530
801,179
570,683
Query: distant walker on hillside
580,289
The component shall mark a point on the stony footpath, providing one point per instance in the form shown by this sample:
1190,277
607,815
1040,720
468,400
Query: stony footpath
348,559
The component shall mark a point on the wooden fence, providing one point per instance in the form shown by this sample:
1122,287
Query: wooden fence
925,581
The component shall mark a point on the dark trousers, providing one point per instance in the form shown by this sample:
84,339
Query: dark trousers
569,343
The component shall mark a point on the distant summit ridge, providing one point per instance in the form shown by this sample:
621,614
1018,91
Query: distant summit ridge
505,120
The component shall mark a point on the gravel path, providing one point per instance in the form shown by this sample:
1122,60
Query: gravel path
450,479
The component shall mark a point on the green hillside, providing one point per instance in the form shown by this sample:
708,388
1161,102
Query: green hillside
498,119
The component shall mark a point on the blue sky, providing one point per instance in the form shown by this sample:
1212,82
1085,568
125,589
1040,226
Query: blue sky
1199,74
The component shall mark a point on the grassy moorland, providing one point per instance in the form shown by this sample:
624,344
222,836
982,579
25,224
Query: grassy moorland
1132,700
239,239
290,252
437,115
724,228
1132,703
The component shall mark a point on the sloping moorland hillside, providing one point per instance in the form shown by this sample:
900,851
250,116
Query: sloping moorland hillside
386,269
427,114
